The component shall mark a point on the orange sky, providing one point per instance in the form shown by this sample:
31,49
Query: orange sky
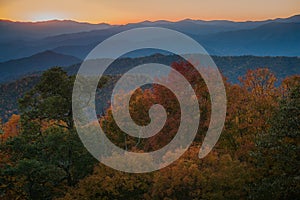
125,11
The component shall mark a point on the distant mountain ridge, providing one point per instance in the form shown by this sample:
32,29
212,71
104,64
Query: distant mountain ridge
14,69
11,30
271,39
277,37
230,66
35,30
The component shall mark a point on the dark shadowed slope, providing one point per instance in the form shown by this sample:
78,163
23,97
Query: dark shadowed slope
13,69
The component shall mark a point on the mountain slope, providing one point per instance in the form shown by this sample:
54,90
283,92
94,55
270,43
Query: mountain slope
272,39
13,69
231,67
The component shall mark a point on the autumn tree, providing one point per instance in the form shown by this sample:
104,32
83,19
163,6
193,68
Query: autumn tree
11,128
249,109
260,84
106,183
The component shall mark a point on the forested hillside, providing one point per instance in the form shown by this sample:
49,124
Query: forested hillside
257,156
232,67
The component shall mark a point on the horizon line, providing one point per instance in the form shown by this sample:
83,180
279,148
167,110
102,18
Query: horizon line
146,20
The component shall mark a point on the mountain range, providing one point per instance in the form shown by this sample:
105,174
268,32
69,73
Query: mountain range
277,37
36,30
29,47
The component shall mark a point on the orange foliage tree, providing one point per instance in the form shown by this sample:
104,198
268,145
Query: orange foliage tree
11,128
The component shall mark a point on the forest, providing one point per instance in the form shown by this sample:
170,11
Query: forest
256,157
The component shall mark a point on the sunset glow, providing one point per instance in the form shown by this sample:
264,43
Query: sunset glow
121,12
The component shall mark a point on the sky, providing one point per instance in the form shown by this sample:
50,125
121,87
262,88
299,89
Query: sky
126,11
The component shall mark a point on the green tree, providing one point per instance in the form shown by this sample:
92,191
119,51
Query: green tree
278,157
47,156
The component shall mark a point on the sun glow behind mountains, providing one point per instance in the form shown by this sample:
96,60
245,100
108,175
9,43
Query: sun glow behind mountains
122,12
47,16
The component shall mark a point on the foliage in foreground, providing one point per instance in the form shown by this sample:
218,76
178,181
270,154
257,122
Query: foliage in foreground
257,156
